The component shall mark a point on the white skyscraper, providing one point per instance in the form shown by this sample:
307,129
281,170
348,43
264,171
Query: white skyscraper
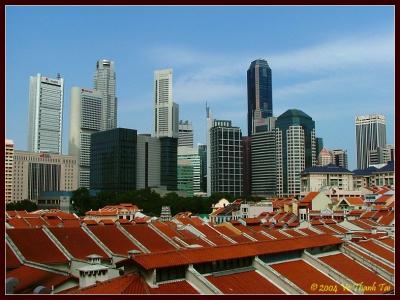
46,97
85,119
9,169
104,81
370,134
166,112
185,134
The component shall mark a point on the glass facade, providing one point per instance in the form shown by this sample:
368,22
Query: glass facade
169,163
259,94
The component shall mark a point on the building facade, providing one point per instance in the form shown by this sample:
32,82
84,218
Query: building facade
169,163
246,159
185,138
166,112
202,150
113,160
46,97
226,158
35,173
325,157
370,134
188,170
148,161
340,158
9,170
298,148
104,82
319,145
380,155
85,119
259,94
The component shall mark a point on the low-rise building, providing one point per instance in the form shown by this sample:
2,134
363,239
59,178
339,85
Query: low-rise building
113,212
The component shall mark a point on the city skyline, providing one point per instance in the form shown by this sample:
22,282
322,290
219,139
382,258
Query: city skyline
305,71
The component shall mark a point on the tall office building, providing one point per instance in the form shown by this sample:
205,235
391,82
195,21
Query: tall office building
169,163
35,173
9,170
113,160
104,82
148,161
188,170
46,96
298,147
259,94
370,134
166,112
210,121
246,167
185,138
226,158
319,145
85,119
381,155
202,150
340,157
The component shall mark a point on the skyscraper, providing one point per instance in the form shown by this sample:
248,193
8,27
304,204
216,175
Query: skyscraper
298,147
246,166
370,134
46,97
85,119
169,162
148,161
166,112
319,145
340,156
9,170
188,170
259,94
185,134
226,158
113,160
104,81
202,150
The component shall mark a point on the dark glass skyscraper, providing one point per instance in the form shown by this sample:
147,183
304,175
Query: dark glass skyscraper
259,94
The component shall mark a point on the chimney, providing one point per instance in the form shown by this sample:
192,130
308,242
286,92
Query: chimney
94,259
90,274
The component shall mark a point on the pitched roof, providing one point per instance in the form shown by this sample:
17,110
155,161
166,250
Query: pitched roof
378,250
12,261
309,197
200,255
355,201
331,168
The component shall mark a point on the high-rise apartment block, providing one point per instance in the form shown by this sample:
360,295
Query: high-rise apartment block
104,82
9,170
340,158
185,138
226,158
35,173
166,112
188,170
259,94
113,160
370,134
381,155
85,119
46,97
298,147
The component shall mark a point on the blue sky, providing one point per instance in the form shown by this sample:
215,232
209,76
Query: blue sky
331,62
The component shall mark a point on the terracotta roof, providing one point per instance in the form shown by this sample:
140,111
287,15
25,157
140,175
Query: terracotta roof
383,199
329,221
316,222
293,232
177,287
29,278
148,237
249,282
111,212
106,222
355,213
386,220
304,276
251,221
355,201
371,259
378,250
18,223
12,261
123,221
212,235
338,228
194,256
77,242
388,241
367,215
309,197
60,214
35,221
114,239
354,271
325,229
360,224
71,223
236,237
308,231
275,233
89,222
36,246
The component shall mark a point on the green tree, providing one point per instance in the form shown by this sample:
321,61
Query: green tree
22,205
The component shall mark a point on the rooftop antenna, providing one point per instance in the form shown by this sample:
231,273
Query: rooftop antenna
207,110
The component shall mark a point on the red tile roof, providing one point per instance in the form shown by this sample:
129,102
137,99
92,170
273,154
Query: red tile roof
12,261
360,224
212,235
356,201
18,223
275,233
308,231
36,246
89,222
309,197
35,221
325,229
386,220
77,242
378,250
338,228
249,282
148,237
29,278
354,271
236,237
388,241
193,256
293,232
371,259
71,223
304,276
177,287
113,239
251,221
